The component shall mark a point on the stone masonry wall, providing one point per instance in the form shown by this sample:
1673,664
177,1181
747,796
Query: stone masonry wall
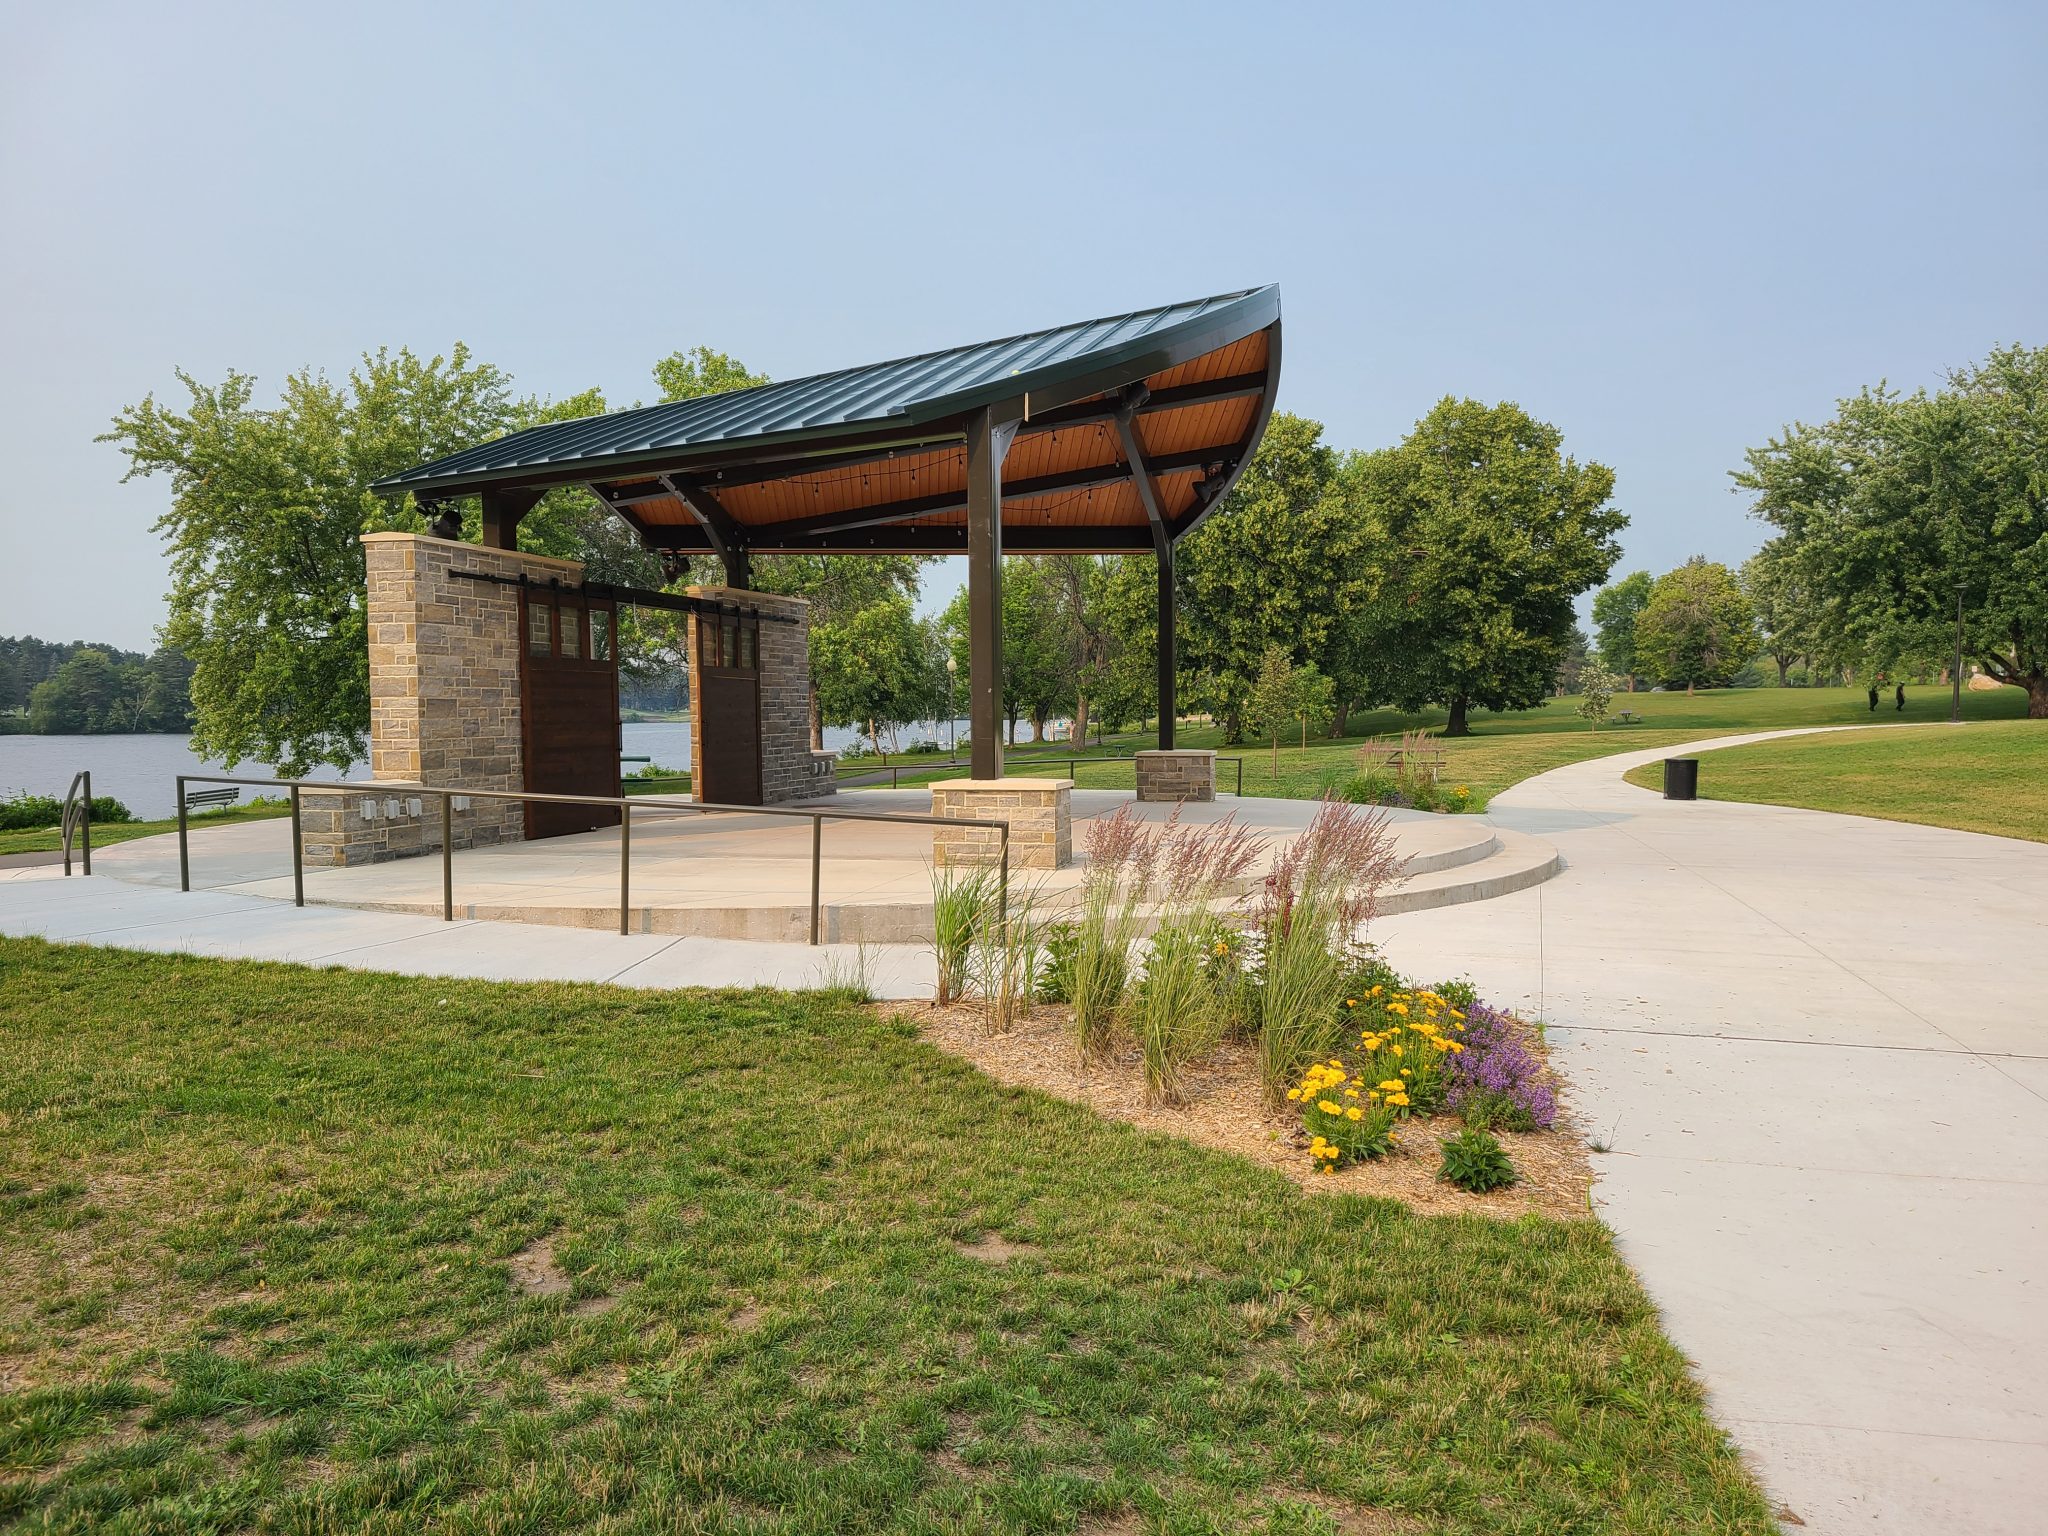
444,700
1176,775
789,769
1039,811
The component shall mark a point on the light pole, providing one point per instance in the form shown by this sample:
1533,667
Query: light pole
952,718
1955,707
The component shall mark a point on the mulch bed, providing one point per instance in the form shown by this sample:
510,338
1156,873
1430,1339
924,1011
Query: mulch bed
1225,1110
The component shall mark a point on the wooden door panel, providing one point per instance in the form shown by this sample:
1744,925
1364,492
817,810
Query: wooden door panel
569,713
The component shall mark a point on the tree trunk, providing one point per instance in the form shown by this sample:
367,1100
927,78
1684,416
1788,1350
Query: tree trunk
1304,733
1456,725
1080,720
1784,670
817,722
1340,720
2037,696
1037,728
1631,682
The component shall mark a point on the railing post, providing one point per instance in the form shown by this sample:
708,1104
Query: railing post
86,824
298,854
1240,778
625,867
447,856
184,852
817,859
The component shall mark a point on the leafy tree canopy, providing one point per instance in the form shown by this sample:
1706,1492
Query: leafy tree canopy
1485,533
1697,627
1900,503
1615,607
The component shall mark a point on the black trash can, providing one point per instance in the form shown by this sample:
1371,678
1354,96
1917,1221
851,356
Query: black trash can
1681,778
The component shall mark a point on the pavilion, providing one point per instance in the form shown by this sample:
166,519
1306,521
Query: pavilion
1110,436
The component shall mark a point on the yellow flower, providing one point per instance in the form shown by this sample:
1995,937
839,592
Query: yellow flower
1392,1085
1350,1093
1326,1168
1377,990
1456,1015
1294,1093
1401,1008
1354,1113
1407,1071
1400,1099
1350,1002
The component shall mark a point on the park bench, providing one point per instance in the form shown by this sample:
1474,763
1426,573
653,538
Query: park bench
200,799
1398,757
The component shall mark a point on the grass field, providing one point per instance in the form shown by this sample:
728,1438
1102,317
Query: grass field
1506,748
1987,777
319,1251
41,839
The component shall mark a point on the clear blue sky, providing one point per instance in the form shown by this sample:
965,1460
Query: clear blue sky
1667,232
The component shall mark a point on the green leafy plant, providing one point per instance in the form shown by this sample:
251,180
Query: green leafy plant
1056,974
1346,1121
1474,1162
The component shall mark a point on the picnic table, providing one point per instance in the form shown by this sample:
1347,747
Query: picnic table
1628,717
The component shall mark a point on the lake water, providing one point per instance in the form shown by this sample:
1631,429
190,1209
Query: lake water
141,771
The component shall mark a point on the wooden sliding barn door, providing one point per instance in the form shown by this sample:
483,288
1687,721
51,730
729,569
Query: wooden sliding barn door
569,707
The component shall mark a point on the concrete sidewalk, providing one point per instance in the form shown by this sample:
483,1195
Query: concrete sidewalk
40,903
1817,1047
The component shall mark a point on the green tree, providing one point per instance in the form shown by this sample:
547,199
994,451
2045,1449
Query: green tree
1615,608
267,511
1311,697
1269,707
86,696
1596,693
1036,663
874,668
1786,623
1578,656
701,371
1901,504
1485,534
1697,627
1282,562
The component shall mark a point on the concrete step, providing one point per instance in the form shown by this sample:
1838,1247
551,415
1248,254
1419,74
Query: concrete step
1517,861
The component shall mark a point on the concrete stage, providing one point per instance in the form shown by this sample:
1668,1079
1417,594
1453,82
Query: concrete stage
741,876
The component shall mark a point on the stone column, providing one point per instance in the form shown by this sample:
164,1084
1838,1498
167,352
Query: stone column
444,700
1040,813
1179,774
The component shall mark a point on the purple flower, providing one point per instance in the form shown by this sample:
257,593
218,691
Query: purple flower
1500,1063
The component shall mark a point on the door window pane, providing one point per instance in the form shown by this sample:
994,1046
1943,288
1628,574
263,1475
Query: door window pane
747,633
538,620
730,645
600,634
572,631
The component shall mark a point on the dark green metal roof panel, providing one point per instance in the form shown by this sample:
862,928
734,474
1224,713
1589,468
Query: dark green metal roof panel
911,391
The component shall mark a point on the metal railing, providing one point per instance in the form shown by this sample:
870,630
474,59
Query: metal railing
1021,764
77,816
624,804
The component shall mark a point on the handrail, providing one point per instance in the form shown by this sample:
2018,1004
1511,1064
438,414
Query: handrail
1072,764
625,804
77,813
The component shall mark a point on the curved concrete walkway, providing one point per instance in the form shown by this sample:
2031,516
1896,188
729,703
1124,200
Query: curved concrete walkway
1818,1048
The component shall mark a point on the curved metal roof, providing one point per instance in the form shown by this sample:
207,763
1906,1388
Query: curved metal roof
1045,369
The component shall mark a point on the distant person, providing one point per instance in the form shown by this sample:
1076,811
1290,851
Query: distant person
1900,700
1873,698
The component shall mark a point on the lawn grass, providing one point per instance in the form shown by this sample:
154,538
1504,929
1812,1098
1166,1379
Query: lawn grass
1986,777
44,839
1506,748
321,1251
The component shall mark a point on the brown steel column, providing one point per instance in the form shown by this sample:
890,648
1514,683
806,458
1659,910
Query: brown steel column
1167,707
988,443
502,512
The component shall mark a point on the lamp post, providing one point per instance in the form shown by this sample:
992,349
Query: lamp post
1955,707
952,717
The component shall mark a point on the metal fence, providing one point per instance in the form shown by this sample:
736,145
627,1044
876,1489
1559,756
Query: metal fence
625,805
1020,764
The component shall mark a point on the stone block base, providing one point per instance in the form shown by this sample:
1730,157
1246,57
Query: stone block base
1176,775
1040,813
373,823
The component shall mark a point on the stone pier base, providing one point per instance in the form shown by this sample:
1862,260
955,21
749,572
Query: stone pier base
1176,775
393,819
1040,813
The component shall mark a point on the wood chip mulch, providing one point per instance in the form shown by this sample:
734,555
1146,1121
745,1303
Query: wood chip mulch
1225,1110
